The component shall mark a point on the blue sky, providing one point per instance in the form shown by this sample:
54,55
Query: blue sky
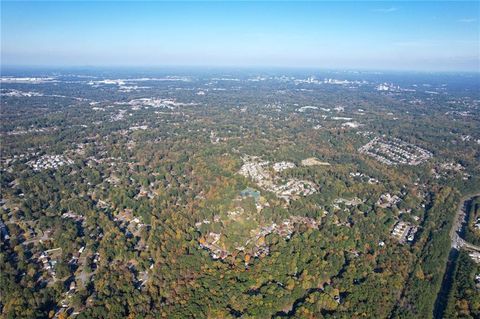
441,36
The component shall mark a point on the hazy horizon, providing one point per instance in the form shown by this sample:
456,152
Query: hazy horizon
383,36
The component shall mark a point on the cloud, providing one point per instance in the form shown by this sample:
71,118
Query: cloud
467,20
385,10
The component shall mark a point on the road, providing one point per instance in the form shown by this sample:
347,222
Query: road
457,241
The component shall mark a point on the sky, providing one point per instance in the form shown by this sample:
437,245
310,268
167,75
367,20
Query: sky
420,35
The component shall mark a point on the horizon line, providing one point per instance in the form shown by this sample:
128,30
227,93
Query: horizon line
230,67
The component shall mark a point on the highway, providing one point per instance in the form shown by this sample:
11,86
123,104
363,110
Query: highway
460,219
457,243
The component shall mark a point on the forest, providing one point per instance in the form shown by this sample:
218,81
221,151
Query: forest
147,203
